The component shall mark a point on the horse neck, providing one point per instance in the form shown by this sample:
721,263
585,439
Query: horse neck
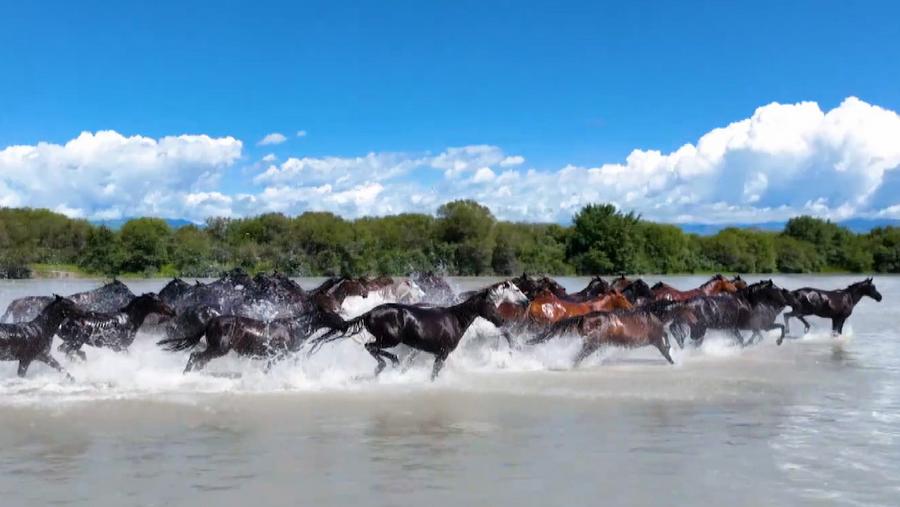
49,319
855,292
467,311
137,311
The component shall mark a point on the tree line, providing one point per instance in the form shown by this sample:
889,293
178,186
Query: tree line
463,238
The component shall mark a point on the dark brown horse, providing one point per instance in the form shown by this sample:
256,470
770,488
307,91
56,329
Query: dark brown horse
436,330
643,326
836,305
273,340
332,293
715,285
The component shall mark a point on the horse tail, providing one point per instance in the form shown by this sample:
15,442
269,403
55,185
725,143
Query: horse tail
337,327
557,328
184,342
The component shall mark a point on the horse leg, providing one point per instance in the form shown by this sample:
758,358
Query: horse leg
47,359
198,360
697,334
736,333
507,336
787,324
374,352
23,367
837,325
438,365
408,360
664,347
678,332
781,332
72,351
395,361
806,325
587,348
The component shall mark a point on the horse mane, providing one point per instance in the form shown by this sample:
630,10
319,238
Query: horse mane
860,283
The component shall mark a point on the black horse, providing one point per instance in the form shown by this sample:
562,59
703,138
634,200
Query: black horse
106,298
753,309
836,305
637,292
174,291
436,330
31,341
265,297
114,330
273,340
595,288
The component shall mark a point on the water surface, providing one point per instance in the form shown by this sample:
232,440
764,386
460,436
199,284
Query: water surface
813,422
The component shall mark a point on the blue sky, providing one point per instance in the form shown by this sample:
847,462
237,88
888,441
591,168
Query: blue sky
578,85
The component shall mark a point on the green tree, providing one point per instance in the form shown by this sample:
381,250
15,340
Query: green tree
467,226
102,252
885,243
604,240
144,244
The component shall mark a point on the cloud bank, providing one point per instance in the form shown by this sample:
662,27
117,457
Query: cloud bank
785,159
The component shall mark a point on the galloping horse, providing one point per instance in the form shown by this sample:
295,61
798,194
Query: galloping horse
111,330
638,327
30,341
436,330
273,340
107,298
595,288
753,308
836,305
637,292
716,285
546,308
332,293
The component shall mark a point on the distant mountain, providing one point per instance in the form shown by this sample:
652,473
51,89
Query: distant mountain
857,225
116,224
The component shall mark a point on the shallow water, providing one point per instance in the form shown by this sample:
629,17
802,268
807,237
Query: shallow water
813,422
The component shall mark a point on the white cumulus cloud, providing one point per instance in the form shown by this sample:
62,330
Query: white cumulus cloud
108,175
784,159
273,138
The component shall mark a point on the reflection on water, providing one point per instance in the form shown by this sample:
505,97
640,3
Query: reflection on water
815,421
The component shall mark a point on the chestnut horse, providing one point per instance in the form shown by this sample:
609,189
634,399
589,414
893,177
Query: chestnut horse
716,285
547,308
638,327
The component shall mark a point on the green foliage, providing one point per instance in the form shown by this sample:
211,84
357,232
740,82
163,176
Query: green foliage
466,227
604,240
144,245
102,253
463,238
885,244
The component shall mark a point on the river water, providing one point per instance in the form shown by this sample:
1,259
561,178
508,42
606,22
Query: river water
813,422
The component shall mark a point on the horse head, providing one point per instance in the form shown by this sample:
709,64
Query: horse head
506,292
151,303
618,301
739,282
867,288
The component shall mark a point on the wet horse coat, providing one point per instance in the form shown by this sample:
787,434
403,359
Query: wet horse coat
436,330
836,305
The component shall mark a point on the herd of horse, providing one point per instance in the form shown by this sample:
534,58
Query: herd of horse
271,317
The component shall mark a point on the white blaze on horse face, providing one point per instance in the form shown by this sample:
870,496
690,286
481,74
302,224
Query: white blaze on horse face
507,293
414,292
